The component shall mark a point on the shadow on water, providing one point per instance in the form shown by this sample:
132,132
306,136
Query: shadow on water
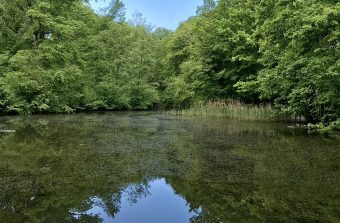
151,167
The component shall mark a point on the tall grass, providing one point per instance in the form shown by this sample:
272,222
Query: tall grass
232,110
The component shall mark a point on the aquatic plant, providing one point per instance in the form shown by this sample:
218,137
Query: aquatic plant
232,109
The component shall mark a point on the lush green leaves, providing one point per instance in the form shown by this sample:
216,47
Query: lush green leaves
59,56
282,52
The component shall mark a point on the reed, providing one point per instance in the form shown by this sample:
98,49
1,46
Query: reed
232,109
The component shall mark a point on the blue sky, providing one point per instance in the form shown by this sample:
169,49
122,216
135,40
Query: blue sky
161,13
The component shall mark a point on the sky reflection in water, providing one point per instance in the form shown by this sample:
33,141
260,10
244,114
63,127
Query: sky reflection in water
159,204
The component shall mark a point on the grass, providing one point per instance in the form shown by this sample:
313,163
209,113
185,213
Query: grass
231,109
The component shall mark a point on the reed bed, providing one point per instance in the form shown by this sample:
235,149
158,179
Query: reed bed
231,109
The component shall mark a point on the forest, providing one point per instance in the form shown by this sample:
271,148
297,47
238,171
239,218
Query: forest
62,57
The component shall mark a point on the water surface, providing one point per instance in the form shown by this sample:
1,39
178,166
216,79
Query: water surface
152,167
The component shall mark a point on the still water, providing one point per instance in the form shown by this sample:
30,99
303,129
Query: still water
155,168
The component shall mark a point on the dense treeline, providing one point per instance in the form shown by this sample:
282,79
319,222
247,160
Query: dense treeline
59,56
281,52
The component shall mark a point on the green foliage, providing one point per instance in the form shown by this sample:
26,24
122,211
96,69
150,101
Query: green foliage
299,43
208,5
216,50
59,56
281,52
62,61
335,125
232,110
116,11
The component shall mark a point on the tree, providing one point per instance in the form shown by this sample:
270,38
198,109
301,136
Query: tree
59,56
139,20
116,11
298,42
208,5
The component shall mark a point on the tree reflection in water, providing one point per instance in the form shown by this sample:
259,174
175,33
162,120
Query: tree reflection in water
87,168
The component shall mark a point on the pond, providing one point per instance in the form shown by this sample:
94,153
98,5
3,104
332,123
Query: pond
150,167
